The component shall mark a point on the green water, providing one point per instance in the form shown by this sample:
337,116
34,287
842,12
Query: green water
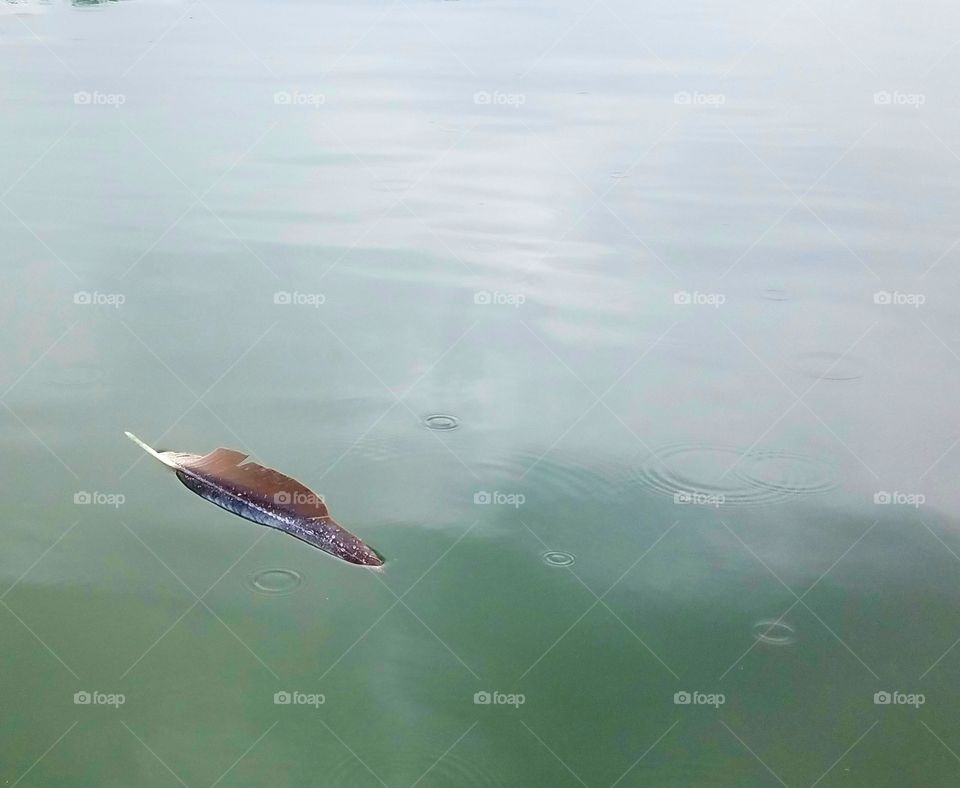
634,251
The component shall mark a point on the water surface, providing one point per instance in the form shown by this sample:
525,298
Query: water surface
628,334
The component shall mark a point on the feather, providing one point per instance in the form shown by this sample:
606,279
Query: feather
264,496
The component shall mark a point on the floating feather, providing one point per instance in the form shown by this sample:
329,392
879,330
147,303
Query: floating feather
264,496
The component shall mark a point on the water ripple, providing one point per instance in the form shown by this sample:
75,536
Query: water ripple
734,477
774,633
275,581
559,476
559,558
829,366
442,422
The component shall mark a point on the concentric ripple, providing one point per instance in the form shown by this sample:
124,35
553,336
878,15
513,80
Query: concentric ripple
726,474
775,294
275,581
379,447
561,476
559,558
441,422
774,633
829,366
787,473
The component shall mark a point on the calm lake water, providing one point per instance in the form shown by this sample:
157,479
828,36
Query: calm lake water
680,283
